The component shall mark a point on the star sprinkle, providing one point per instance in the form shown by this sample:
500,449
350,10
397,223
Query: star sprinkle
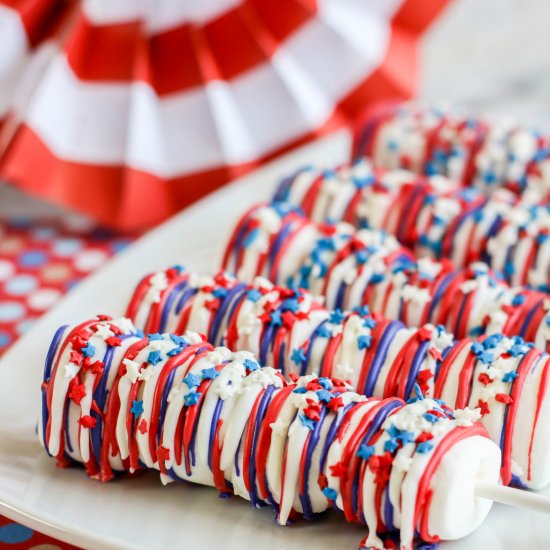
192,380
146,373
254,295
142,428
307,422
163,453
154,357
210,374
324,395
298,356
192,398
336,316
137,408
250,365
510,376
335,403
312,410
88,350
132,370
424,447
365,451
364,341
77,393
87,421
331,494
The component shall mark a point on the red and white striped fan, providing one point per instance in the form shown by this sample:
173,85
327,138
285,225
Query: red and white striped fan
129,110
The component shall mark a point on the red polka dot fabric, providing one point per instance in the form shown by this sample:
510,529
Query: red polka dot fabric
40,261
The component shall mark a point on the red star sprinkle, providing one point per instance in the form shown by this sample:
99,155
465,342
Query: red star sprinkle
485,379
211,305
104,317
301,315
504,398
163,453
288,319
113,341
338,470
313,386
322,481
313,409
142,428
87,421
76,358
78,391
380,466
293,377
117,331
484,407
335,403
436,354
424,436
424,333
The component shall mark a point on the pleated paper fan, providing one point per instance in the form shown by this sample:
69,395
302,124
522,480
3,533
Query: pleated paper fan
129,110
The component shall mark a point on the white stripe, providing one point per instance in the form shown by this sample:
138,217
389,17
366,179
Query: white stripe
221,123
77,121
157,15
13,55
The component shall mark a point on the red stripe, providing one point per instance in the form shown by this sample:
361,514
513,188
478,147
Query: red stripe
189,54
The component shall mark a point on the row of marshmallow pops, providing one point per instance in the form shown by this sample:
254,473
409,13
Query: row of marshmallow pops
433,215
352,267
118,401
504,379
470,150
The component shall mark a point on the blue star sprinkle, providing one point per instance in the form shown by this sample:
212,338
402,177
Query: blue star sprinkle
510,376
210,374
192,398
154,357
325,383
424,447
336,316
250,365
254,295
324,395
431,417
276,319
307,422
178,340
137,408
192,380
88,350
298,356
330,493
364,341
365,451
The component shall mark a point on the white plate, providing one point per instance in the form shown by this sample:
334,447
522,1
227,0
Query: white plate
140,513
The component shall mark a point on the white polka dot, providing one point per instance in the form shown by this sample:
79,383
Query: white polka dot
89,260
44,298
6,270
67,247
11,311
20,285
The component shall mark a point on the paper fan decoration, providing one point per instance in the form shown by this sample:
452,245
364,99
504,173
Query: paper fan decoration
129,110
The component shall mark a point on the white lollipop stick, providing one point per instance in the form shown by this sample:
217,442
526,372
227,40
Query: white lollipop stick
513,497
